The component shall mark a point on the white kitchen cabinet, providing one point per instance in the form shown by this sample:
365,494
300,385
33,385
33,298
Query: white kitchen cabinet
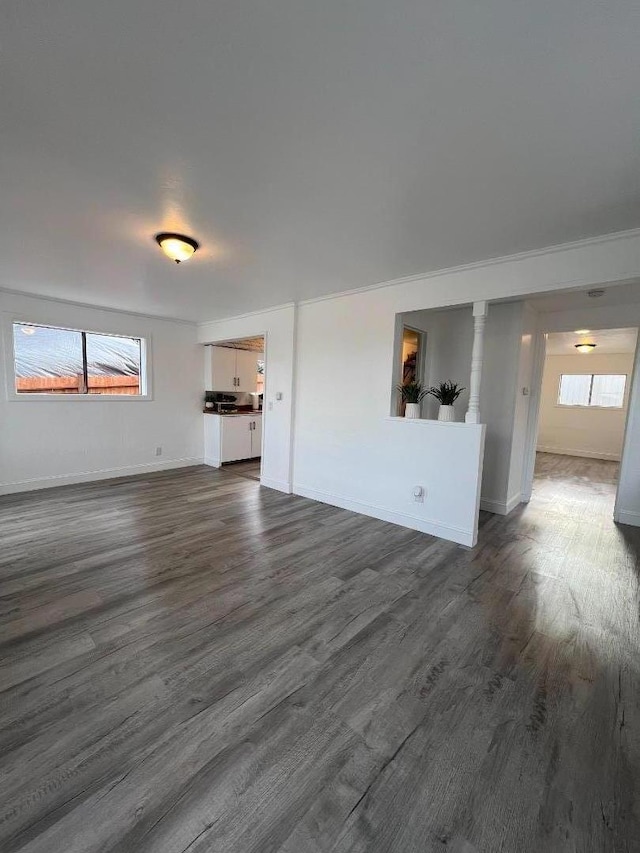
256,437
234,369
223,369
241,437
230,438
247,369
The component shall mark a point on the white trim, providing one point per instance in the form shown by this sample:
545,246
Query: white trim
422,421
91,476
13,397
501,507
487,262
625,516
533,415
474,265
587,454
278,485
58,300
248,314
433,528
211,462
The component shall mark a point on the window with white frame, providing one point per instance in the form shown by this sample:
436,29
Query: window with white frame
595,390
52,360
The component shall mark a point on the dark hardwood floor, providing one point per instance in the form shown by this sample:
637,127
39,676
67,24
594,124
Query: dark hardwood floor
191,662
249,468
574,485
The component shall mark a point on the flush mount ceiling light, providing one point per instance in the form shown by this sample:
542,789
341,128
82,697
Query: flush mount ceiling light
585,347
582,332
178,247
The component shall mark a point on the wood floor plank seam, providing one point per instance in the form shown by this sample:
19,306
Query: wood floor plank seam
221,668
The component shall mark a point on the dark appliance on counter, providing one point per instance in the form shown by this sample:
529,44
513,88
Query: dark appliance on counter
221,402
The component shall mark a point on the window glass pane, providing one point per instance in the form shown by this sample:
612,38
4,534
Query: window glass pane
47,361
608,390
113,364
574,389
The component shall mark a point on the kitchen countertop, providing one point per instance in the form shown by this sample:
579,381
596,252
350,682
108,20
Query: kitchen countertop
232,414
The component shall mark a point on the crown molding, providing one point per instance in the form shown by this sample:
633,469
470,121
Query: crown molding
59,301
484,264
247,315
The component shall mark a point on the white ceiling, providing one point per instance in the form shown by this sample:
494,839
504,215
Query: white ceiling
620,293
310,145
606,341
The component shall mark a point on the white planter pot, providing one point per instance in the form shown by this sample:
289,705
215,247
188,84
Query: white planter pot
447,413
412,410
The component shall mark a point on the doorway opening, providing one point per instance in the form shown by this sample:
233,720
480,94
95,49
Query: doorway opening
583,404
234,401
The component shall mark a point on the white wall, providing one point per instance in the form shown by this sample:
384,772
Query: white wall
279,328
344,448
449,344
577,431
351,453
55,441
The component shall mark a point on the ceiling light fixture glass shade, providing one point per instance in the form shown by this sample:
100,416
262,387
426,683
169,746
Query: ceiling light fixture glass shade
585,347
582,331
178,247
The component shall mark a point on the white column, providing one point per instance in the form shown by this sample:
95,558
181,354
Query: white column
479,320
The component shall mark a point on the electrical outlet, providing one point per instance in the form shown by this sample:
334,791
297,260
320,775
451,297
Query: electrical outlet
418,494
158,451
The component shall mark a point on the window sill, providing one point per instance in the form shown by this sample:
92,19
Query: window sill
426,421
589,408
78,398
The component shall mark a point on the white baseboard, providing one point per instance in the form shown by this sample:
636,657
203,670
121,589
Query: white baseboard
434,528
90,476
625,516
587,454
501,507
212,463
278,485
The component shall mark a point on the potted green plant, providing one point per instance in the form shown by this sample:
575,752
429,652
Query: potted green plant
412,395
446,393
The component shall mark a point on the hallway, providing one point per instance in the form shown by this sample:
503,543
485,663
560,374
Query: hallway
575,486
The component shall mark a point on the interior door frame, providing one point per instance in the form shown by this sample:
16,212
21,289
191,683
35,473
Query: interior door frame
264,447
533,419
